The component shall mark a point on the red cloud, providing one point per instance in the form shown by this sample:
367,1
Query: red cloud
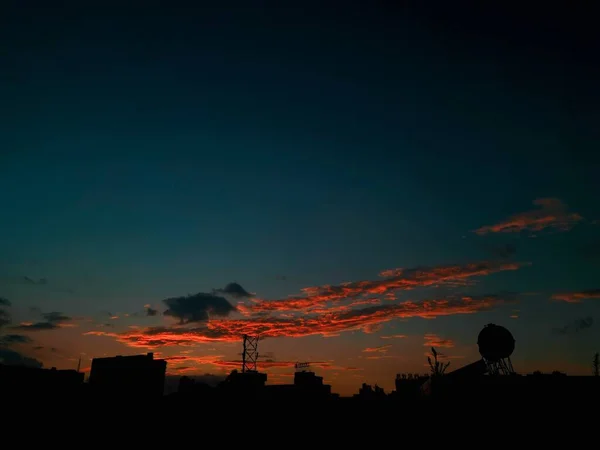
366,301
380,349
393,336
397,279
383,357
577,297
551,214
433,340
372,328
205,359
325,324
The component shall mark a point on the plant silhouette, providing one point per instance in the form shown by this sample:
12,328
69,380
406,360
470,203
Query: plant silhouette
437,367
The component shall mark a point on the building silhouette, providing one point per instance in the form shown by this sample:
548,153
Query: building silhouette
241,385
27,382
408,386
139,376
366,391
308,383
307,387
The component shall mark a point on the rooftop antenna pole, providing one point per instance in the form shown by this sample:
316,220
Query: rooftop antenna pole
79,364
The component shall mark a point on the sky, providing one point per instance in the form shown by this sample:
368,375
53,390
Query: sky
355,184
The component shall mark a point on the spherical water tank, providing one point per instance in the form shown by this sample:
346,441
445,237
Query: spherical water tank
495,342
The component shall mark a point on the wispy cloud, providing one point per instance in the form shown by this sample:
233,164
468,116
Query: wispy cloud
394,279
39,282
233,329
380,349
576,326
393,336
366,301
551,213
380,356
52,320
11,339
433,340
577,296
8,355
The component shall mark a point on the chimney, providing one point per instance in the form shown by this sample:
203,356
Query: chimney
150,355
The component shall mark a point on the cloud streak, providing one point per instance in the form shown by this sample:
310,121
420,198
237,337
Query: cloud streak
9,356
551,213
576,327
394,279
380,349
433,340
324,324
40,282
577,296
11,339
52,320
393,336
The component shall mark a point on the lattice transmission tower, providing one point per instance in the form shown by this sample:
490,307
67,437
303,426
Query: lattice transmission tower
250,355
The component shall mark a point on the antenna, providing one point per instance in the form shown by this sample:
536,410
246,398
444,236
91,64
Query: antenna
79,364
250,354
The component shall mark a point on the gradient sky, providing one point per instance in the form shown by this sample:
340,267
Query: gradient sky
146,155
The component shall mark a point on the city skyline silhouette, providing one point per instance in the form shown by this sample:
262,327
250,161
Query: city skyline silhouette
352,184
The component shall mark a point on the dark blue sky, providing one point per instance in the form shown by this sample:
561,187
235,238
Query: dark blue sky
149,154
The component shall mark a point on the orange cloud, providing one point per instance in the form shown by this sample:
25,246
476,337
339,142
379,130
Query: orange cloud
372,328
393,336
205,359
552,213
383,357
433,340
324,324
366,301
181,369
380,349
396,279
577,296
